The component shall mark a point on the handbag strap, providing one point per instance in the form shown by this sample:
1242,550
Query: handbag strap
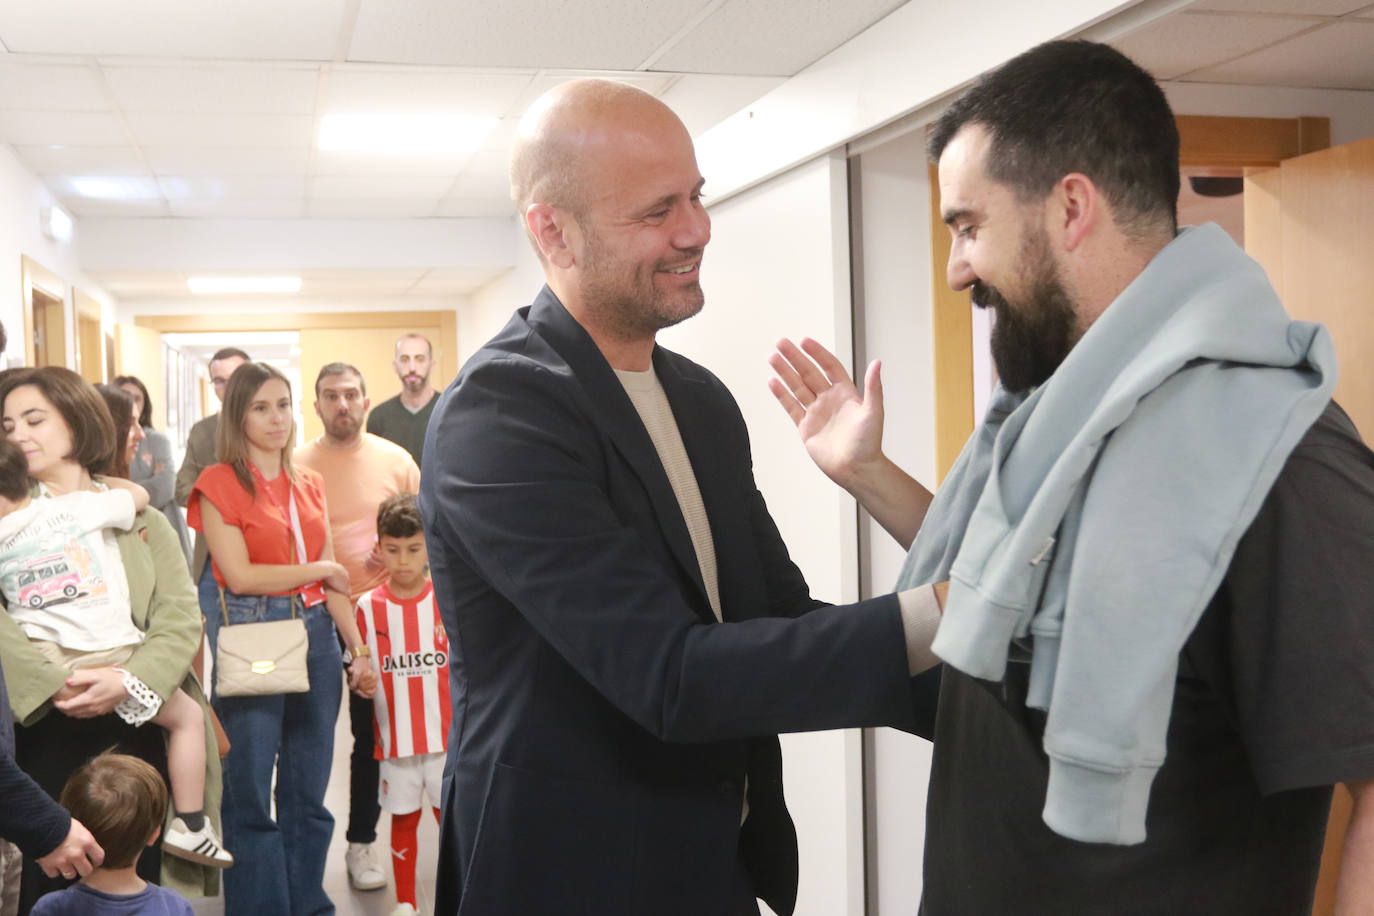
224,608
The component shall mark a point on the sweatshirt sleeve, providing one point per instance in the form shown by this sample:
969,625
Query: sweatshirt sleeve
29,818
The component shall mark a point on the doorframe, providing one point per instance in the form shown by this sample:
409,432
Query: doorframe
34,276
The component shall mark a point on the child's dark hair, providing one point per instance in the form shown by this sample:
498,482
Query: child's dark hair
14,472
121,800
399,517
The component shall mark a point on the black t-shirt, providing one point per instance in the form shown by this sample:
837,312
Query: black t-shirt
1273,704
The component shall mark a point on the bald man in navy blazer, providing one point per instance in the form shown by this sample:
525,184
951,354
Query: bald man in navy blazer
629,634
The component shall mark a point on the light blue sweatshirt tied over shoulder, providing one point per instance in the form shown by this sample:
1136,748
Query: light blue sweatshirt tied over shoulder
1095,517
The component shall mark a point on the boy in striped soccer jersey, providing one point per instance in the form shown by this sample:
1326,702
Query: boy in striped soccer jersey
399,621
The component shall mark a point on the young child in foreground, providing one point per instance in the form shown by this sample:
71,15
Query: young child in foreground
122,801
63,582
400,623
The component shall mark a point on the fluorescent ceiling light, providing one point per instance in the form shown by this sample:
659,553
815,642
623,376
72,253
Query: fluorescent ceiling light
404,134
208,286
115,188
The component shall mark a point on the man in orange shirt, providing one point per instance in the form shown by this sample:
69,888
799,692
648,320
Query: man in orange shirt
360,470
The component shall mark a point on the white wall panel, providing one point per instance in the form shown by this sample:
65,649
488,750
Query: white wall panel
778,265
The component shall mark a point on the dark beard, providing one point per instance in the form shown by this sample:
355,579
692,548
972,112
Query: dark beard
1030,340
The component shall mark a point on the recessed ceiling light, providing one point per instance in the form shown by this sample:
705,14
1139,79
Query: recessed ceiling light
404,134
207,286
102,188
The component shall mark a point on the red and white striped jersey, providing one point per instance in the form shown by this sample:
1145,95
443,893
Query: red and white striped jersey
410,652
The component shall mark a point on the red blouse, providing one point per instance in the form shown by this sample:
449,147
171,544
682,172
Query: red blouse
264,518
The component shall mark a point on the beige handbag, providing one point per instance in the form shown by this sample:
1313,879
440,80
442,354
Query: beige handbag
255,659
252,659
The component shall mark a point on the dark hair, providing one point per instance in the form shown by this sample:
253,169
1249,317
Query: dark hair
229,352
121,408
121,800
14,471
399,517
340,369
84,411
1076,106
145,416
231,442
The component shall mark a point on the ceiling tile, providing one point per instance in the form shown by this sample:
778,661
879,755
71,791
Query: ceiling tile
238,209
1305,7
703,101
244,29
214,88
487,175
81,160
593,34
1335,57
453,281
500,139
1175,45
61,128
243,187
370,208
475,207
358,187
42,87
393,91
337,163
230,130
771,37
202,162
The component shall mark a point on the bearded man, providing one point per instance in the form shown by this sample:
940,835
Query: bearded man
1157,639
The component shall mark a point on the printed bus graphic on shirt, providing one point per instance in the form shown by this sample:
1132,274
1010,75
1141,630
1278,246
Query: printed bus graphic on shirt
53,573
47,578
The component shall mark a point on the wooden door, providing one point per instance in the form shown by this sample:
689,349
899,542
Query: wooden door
370,349
138,352
1310,222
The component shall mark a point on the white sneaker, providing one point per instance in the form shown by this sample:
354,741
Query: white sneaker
200,846
404,909
364,870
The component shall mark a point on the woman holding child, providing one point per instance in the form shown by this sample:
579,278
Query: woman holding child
82,682
268,534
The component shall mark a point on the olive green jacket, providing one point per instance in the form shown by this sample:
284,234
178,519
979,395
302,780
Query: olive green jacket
164,606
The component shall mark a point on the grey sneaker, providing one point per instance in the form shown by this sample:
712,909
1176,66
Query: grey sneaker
364,868
200,846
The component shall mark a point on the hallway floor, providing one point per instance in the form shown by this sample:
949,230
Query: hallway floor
348,901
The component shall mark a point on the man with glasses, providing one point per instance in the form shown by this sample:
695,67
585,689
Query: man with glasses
200,444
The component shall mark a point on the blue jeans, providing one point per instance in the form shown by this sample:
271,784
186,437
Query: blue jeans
278,865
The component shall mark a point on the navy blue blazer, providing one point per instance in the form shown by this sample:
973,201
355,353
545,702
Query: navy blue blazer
605,726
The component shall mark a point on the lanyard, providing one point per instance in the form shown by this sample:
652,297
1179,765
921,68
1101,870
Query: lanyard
298,544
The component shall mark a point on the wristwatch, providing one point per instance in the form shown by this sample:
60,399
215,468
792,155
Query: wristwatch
351,654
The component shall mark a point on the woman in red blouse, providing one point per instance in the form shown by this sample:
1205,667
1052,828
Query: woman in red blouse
244,506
